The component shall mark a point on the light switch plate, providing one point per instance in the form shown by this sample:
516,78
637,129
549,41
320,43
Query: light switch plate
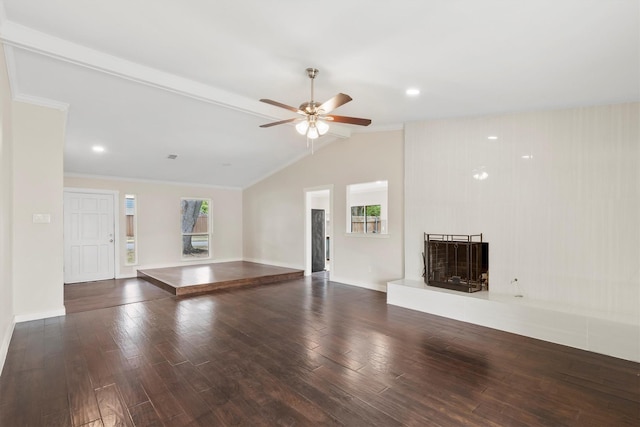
41,218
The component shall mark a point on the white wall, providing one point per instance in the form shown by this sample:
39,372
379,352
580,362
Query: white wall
6,212
274,216
158,220
38,143
320,200
565,222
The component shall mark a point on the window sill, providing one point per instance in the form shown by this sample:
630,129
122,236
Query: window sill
368,235
194,259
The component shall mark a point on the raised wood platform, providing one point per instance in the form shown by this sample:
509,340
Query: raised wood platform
203,278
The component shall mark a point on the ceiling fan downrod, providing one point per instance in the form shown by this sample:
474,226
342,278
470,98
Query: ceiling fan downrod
312,73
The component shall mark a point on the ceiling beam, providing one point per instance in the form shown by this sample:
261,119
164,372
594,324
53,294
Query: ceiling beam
22,37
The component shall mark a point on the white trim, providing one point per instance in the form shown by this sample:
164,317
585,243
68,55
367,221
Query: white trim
11,70
128,275
16,94
116,232
209,232
6,340
89,190
19,318
368,235
135,232
373,286
307,192
149,181
42,102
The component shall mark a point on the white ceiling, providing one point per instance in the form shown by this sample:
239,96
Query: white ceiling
149,78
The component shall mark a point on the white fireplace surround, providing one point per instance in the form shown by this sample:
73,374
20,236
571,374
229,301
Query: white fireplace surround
598,332
559,205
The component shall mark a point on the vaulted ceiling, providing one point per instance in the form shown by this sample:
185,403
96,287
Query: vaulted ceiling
150,78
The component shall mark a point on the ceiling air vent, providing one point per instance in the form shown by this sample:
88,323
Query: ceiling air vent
172,156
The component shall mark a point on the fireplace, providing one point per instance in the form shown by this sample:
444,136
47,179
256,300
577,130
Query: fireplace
457,262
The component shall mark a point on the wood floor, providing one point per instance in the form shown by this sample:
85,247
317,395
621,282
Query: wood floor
203,278
109,293
306,352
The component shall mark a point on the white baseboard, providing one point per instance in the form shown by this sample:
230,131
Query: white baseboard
127,276
19,318
372,286
613,335
6,340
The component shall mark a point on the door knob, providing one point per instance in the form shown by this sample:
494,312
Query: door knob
111,240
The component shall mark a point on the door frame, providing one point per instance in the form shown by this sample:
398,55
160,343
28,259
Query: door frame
116,221
308,193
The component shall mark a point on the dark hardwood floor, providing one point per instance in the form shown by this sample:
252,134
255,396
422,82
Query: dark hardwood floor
109,293
305,352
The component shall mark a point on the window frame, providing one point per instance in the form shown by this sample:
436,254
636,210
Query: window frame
208,233
363,195
134,227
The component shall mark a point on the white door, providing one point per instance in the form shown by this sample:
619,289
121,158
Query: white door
89,235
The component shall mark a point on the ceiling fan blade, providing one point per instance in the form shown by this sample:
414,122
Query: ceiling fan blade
349,120
281,122
281,105
333,103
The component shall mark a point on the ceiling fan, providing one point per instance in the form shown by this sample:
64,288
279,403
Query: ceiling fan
315,115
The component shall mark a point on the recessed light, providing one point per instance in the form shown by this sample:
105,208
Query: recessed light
492,137
527,156
413,91
98,149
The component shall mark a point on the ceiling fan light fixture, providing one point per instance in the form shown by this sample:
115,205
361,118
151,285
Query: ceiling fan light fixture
312,133
322,127
302,127
314,124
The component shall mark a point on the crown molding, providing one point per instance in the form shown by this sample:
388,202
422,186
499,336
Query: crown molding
25,38
43,102
148,181
11,70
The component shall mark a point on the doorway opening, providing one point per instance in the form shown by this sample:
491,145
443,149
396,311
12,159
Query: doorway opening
318,230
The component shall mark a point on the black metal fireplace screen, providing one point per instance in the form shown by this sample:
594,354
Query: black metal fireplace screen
457,262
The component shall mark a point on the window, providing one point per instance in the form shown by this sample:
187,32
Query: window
131,232
195,228
367,208
365,219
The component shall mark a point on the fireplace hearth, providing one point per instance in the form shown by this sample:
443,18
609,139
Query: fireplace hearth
458,262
